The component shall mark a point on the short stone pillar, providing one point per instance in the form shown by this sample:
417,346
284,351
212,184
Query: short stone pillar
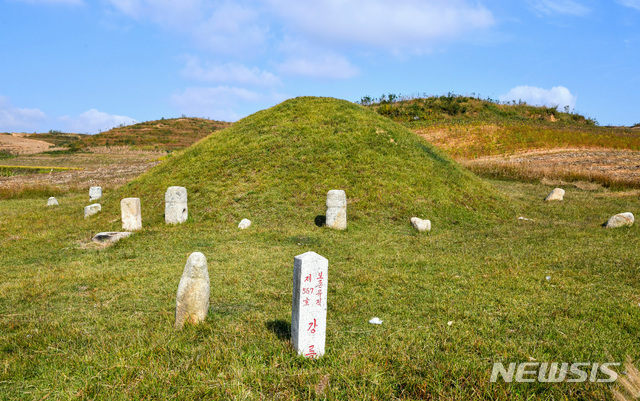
244,224
95,193
309,308
556,194
131,214
192,300
175,205
92,209
336,209
52,201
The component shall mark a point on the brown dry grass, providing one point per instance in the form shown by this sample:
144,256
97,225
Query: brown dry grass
610,168
18,145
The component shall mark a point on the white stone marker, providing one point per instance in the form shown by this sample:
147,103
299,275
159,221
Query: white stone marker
309,309
336,209
91,210
95,193
244,224
556,194
192,300
421,225
620,220
52,201
175,205
131,214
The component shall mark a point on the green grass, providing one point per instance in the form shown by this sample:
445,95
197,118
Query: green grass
80,321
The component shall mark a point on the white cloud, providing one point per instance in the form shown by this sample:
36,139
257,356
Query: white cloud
319,66
94,121
216,102
227,73
558,96
400,24
630,3
19,119
218,26
551,7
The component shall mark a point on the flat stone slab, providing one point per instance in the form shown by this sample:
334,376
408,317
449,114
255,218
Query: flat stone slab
176,210
110,237
620,220
130,214
421,225
336,209
52,201
95,193
91,210
556,194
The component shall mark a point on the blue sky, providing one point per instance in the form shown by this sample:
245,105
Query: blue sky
87,66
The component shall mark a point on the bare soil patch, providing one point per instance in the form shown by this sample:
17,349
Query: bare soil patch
18,145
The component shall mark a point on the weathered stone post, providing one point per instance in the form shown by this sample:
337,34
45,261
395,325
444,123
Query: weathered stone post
52,201
131,214
92,209
336,209
175,205
95,193
309,309
192,300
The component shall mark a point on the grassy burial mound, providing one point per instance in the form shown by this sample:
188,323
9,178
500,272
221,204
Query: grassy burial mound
278,165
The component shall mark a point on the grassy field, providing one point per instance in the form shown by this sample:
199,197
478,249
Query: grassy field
79,321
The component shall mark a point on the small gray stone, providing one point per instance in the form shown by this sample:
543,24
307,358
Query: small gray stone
336,209
620,220
421,225
92,209
109,237
52,201
244,223
95,193
131,214
175,205
556,194
192,300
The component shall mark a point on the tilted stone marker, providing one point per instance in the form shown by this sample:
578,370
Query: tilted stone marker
244,224
52,201
175,205
556,194
620,220
192,300
131,214
95,193
421,225
91,210
336,209
309,309
109,237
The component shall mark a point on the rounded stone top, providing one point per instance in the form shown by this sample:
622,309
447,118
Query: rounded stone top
336,198
197,266
176,194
